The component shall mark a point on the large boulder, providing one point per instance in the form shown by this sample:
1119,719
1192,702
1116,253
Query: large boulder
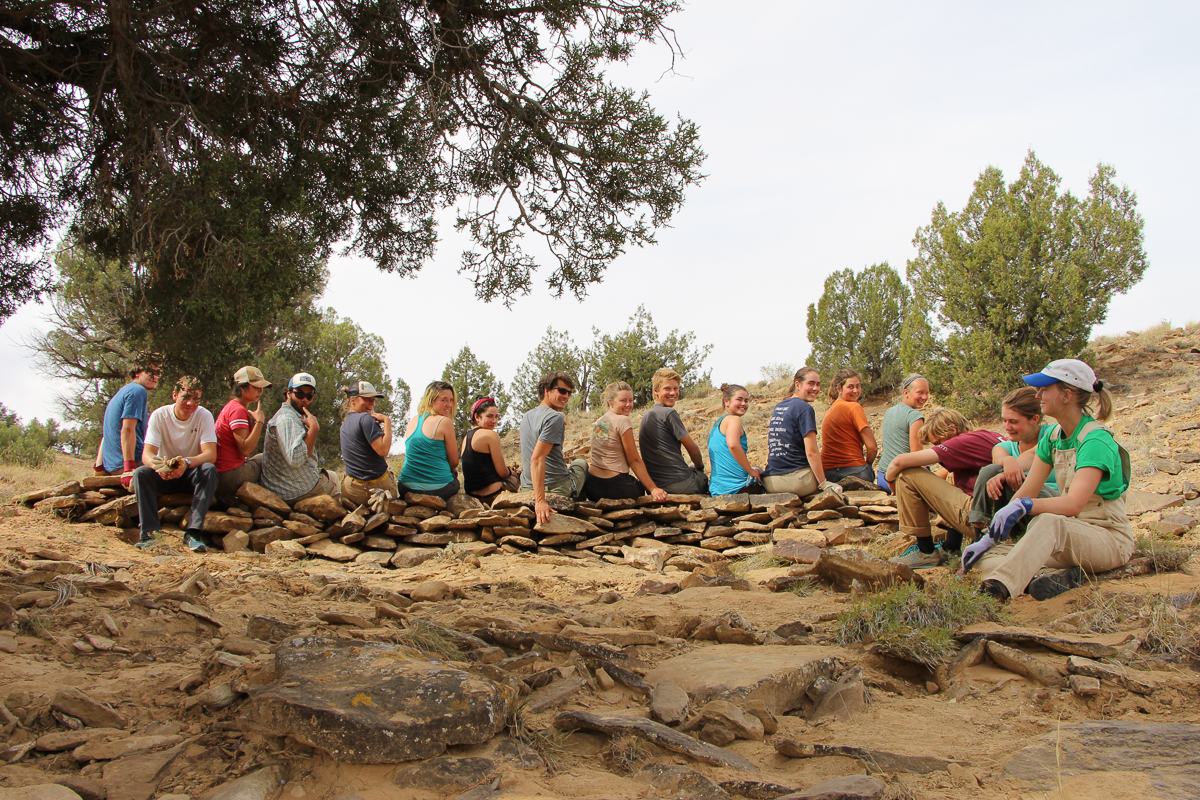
256,497
375,703
843,567
322,507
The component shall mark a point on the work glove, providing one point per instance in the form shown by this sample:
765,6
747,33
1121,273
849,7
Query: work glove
127,472
1007,518
973,552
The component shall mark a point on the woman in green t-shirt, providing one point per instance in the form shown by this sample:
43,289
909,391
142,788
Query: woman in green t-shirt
1086,527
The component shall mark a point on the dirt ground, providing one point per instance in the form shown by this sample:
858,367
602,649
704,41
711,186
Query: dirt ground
164,659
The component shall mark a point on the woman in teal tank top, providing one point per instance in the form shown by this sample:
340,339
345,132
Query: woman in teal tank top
430,450
732,471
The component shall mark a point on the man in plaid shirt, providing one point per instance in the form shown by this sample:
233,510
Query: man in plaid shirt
290,467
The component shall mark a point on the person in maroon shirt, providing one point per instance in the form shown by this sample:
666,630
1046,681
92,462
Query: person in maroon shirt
961,451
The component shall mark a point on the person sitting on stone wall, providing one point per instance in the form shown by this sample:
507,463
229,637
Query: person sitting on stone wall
430,449
660,436
239,429
543,429
366,441
793,456
290,467
180,456
847,444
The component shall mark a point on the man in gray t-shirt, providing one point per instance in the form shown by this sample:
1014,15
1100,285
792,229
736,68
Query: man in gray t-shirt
542,432
660,436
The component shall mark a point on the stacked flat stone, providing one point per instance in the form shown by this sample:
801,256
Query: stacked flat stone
692,528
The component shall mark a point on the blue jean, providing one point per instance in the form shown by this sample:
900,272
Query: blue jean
881,482
835,474
147,484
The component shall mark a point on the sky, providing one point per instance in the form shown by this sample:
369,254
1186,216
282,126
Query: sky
832,130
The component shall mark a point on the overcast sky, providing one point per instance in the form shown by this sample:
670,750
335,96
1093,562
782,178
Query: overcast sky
832,130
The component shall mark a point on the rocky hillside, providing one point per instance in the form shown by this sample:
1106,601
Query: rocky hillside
797,665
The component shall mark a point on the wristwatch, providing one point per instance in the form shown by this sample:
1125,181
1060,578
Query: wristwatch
187,461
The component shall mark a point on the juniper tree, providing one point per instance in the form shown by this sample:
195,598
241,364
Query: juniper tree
219,151
1021,275
472,378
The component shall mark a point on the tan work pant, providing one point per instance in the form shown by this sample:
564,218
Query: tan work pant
327,483
230,481
359,492
801,483
918,491
1099,539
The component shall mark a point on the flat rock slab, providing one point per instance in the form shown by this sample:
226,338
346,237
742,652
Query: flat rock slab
1073,646
333,550
44,791
843,567
1138,502
655,733
92,713
875,760
779,675
849,787
1094,755
375,703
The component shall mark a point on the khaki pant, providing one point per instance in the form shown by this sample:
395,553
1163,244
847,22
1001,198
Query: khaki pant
1099,539
359,492
327,483
695,483
572,485
801,483
918,491
230,481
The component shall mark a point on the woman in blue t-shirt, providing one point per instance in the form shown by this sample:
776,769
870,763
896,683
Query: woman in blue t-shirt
1021,414
1086,527
732,471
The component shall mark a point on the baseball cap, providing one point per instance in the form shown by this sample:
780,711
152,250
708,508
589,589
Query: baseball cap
302,379
252,376
361,389
1070,371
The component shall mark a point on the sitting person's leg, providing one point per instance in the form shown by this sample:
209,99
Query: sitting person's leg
695,483
147,484
447,491
1060,542
618,487
203,481
230,481
572,485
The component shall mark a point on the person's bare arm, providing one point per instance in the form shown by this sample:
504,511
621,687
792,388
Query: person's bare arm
493,448
733,439
914,436
870,446
383,445
128,439
919,458
247,438
693,451
207,454
149,451
445,427
537,476
638,467
813,452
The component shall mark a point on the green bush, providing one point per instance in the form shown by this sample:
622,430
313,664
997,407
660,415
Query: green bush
31,445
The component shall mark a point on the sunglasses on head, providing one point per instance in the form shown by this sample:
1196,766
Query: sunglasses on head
306,394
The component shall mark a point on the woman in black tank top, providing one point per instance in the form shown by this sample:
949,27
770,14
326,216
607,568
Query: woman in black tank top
485,474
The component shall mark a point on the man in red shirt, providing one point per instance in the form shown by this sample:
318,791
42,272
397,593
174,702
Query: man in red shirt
961,451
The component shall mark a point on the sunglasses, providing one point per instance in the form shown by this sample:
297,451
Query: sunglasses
306,395
563,391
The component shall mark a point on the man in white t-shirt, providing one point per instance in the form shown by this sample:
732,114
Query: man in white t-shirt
185,431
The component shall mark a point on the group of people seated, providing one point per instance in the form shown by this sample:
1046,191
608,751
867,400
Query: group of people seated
1067,478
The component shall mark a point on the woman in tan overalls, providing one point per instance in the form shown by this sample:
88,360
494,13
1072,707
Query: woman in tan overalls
1085,528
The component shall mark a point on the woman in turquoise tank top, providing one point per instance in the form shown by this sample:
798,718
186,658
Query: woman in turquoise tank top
430,450
732,471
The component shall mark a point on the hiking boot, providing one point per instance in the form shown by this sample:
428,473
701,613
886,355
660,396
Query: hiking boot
995,588
913,558
1043,587
194,542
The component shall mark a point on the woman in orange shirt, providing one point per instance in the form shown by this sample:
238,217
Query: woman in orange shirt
847,443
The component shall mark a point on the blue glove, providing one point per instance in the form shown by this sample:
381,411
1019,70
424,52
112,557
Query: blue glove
1006,518
973,552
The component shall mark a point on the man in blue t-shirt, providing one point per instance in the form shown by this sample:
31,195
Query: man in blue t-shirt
124,428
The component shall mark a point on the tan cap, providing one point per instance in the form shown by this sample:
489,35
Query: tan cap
361,389
252,376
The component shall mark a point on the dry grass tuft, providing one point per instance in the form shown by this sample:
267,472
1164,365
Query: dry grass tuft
626,754
1171,632
547,745
918,624
760,560
430,639
1167,555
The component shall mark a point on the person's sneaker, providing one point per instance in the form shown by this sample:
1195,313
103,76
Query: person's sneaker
995,588
913,558
1044,587
147,540
194,542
